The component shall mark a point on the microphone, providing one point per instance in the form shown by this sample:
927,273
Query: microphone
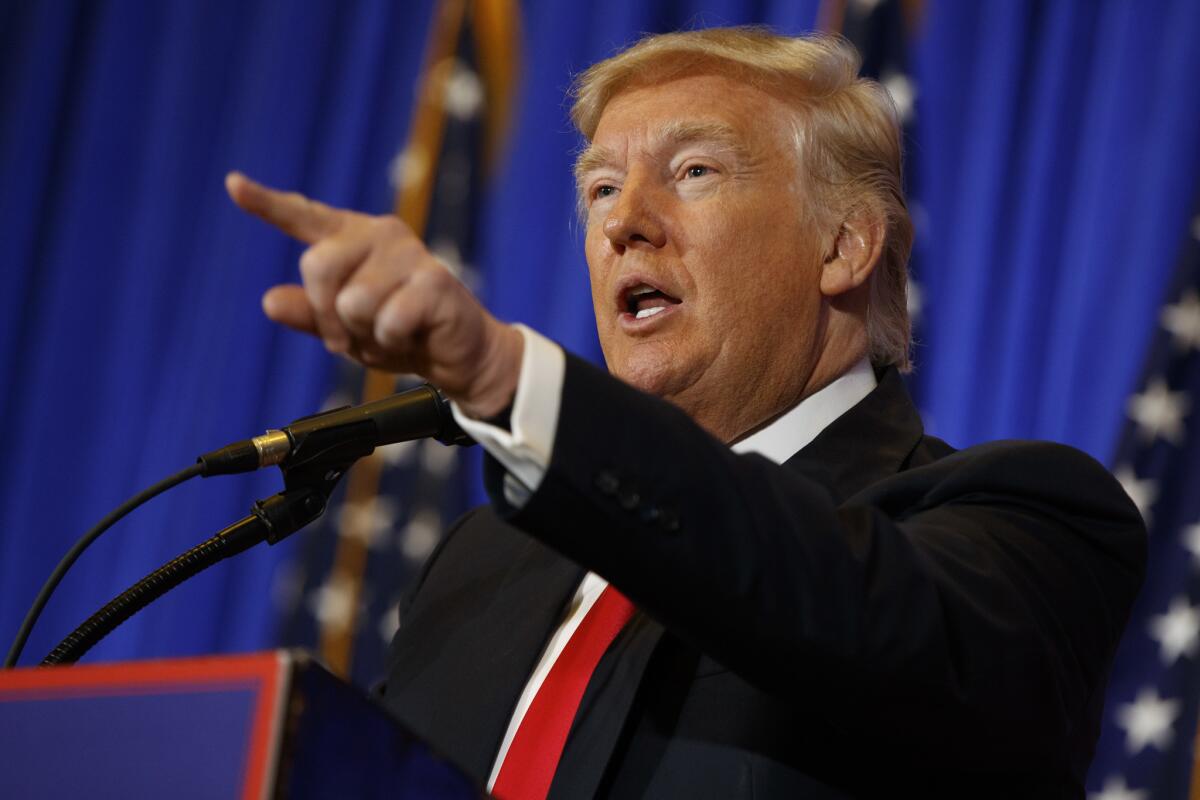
419,413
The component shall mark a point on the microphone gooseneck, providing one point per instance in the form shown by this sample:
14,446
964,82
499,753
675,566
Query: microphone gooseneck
419,413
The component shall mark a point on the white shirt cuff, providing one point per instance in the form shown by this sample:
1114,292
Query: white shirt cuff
524,452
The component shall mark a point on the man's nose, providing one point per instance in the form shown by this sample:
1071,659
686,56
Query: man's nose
635,219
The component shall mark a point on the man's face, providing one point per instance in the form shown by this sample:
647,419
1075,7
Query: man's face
704,271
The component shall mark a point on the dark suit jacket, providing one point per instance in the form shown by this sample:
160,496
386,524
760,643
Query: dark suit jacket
880,616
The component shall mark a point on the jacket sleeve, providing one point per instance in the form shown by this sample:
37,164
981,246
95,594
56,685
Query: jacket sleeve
972,605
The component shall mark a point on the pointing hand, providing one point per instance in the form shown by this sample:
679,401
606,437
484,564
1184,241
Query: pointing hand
372,291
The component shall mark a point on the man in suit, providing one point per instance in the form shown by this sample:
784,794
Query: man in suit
735,566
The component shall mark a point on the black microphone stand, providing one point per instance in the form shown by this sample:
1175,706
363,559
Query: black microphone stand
309,476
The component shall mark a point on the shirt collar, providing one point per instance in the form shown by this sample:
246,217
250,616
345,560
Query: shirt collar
784,437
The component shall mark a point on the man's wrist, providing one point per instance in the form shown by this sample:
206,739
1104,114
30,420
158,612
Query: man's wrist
524,444
501,373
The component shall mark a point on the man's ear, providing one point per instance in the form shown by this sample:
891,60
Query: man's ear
856,250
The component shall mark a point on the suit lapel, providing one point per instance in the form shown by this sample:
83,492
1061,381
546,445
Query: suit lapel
443,678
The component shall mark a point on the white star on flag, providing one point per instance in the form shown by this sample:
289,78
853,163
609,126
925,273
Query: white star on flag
389,623
1177,630
448,255
1115,788
903,93
1191,542
1159,412
422,533
1147,721
370,520
398,454
1182,320
409,167
464,92
333,603
1143,493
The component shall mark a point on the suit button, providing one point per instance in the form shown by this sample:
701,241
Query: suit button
650,514
607,483
669,520
628,499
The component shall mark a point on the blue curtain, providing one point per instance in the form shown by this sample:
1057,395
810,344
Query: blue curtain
1058,154
132,337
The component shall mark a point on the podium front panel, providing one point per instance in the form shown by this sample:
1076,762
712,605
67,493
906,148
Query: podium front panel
199,728
269,725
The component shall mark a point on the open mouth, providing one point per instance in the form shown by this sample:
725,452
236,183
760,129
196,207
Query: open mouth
642,301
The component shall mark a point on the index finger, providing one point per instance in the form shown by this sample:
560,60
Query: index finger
291,212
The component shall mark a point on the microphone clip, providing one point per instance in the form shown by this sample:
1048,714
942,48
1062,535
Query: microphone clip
319,458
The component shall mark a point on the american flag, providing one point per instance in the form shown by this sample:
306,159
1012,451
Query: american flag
1147,748
340,594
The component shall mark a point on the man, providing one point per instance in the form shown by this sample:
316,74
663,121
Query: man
825,602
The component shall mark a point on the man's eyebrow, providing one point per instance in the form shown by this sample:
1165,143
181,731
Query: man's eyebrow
674,133
592,158
684,132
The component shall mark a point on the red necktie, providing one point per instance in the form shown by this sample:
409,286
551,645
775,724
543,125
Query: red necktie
537,746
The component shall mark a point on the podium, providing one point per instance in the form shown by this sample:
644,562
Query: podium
267,725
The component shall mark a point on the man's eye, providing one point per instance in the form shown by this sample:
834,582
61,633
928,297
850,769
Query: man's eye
698,171
603,191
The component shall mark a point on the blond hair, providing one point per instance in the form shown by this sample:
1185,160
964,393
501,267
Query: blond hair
847,135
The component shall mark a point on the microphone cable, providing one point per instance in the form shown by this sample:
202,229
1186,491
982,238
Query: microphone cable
73,554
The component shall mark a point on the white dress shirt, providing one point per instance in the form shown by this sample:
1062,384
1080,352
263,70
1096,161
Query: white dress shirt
525,451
